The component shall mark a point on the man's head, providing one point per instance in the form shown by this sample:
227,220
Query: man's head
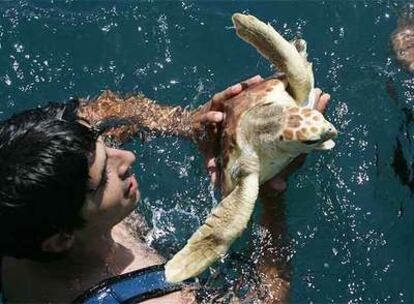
403,46
51,182
43,178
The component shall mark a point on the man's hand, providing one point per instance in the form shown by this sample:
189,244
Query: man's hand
278,183
209,118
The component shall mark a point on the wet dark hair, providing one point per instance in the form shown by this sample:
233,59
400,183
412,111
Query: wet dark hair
43,177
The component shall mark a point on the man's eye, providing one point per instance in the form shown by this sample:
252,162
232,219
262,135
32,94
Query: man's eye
310,142
104,179
102,183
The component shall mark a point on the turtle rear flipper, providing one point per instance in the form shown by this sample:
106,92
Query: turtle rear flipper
213,239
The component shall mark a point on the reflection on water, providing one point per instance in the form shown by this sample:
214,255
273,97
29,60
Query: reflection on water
349,212
402,162
402,167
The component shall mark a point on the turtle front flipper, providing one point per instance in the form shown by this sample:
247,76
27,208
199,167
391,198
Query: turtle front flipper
280,52
226,223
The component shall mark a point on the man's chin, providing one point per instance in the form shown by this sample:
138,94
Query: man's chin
135,199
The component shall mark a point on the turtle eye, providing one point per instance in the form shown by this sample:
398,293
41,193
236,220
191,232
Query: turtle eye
310,142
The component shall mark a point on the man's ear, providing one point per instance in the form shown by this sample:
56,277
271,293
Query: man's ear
58,243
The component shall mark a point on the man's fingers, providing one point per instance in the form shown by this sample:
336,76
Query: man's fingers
213,172
323,102
212,117
211,165
209,160
227,93
235,89
318,93
251,81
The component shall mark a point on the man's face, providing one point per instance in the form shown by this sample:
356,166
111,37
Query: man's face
113,188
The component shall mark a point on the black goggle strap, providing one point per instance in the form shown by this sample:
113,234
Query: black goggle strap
69,114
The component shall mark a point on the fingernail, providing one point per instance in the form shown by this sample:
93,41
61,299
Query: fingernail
219,116
235,88
213,177
211,164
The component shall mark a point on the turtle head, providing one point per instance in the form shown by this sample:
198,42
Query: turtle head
304,130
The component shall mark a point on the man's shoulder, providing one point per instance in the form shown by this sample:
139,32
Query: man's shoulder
178,297
143,255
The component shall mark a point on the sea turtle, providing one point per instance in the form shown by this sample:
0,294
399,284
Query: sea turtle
402,38
266,127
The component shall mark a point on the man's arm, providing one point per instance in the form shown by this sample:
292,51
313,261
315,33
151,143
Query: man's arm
138,113
273,266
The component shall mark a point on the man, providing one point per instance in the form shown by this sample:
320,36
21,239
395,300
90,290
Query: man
64,192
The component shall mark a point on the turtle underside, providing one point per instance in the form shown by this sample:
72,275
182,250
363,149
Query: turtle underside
255,112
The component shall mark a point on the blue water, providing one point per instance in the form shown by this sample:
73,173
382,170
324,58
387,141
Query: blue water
350,217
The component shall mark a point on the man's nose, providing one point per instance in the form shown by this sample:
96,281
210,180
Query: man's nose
125,159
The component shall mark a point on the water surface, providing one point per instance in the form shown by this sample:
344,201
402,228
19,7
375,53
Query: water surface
350,217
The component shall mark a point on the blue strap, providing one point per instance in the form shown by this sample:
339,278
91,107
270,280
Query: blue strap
133,287
2,298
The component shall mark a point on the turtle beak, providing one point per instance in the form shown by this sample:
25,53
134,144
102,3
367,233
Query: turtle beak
326,137
329,133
